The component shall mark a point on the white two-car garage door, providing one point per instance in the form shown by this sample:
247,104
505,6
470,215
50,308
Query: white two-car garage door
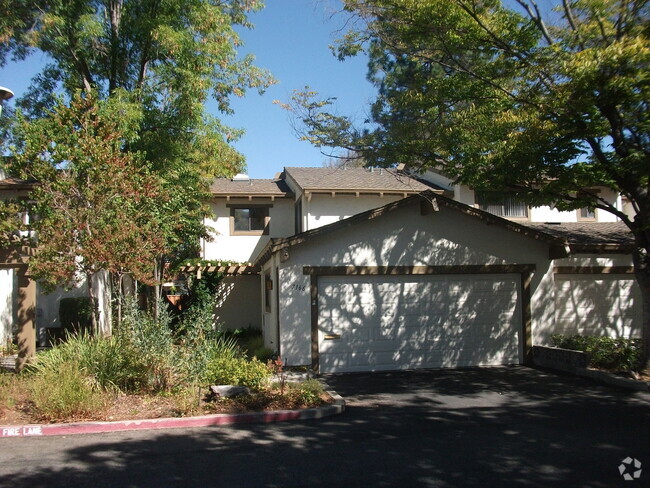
373,323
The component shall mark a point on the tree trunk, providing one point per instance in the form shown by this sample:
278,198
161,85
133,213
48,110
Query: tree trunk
93,303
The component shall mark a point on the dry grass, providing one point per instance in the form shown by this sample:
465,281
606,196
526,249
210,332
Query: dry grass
17,406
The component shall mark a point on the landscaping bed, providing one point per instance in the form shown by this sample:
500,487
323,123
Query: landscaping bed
152,368
18,408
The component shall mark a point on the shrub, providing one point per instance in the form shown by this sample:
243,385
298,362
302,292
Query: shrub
307,393
254,347
237,370
110,362
605,352
152,342
65,393
9,384
75,315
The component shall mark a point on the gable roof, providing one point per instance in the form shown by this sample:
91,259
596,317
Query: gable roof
254,187
429,201
356,180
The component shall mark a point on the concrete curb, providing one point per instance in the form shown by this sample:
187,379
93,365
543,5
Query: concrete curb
610,379
576,363
335,408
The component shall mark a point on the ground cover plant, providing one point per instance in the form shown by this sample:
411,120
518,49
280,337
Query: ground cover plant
145,370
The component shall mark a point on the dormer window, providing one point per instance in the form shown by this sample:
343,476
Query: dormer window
249,220
502,204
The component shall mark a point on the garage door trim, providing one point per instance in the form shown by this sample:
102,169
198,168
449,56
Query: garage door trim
524,270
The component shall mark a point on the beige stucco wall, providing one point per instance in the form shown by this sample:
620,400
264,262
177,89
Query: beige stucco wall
238,302
601,305
6,305
324,209
544,213
47,305
244,249
404,237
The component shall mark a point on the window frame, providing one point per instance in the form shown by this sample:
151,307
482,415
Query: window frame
258,232
500,199
583,218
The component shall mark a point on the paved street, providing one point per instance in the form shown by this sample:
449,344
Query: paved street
460,428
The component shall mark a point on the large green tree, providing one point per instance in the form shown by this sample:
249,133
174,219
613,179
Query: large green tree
94,206
545,102
163,59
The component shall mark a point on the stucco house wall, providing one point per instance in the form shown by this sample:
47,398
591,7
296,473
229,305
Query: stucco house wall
243,249
6,305
324,209
403,237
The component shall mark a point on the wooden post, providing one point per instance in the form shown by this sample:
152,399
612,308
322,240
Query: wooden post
26,325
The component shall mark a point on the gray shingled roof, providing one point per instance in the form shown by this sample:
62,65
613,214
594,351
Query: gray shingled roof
355,179
226,186
588,233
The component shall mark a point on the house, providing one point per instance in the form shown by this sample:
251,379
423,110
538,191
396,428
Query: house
374,270
26,311
249,213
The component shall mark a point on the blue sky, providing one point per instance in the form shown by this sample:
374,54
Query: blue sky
291,38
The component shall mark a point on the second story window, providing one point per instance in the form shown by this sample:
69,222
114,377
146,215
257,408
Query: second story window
586,213
502,204
252,220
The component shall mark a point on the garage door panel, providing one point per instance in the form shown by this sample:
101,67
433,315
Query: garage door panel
419,321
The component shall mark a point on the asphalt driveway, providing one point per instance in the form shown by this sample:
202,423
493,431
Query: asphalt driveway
446,428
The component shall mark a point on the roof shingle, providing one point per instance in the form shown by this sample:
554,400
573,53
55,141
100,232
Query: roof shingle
226,186
588,233
355,179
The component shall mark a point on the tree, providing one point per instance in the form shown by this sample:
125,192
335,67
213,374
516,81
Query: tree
544,103
94,204
164,58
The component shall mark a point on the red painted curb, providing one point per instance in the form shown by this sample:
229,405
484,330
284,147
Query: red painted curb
174,423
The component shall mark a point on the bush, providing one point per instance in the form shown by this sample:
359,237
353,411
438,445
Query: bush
139,357
251,342
152,341
108,361
237,370
605,352
307,393
65,393
76,315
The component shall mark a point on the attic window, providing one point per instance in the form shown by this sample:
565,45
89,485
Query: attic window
502,204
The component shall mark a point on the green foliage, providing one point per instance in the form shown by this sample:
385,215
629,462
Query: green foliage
605,352
75,315
65,393
307,392
157,63
235,370
96,203
498,97
251,341
152,342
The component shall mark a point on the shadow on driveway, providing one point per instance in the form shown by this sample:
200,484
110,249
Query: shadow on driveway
477,427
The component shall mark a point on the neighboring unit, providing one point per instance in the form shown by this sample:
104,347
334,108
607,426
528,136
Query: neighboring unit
25,309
